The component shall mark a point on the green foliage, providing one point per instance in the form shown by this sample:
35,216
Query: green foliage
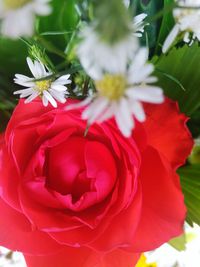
166,24
178,243
12,57
190,182
182,64
62,20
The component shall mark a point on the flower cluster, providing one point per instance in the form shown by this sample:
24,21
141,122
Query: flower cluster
42,85
90,157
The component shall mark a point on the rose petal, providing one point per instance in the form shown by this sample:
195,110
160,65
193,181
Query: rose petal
84,257
17,234
167,132
163,209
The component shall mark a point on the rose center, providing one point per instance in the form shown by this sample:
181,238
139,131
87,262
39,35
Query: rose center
14,4
112,86
43,85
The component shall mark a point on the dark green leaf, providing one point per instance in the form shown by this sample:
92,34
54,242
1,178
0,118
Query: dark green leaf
182,64
190,182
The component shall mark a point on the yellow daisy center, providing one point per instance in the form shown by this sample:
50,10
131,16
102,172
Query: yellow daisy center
112,86
43,85
142,262
14,4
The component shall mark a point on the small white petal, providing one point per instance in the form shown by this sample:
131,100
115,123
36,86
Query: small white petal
40,69
59,88
32,67
141,75
50,98
80,104
147,94
25,84
62,80
126,131
151,79
138,111
139,60
108,113
126,113
45,101
170,38
23,77
30,90
186,38
95,110
31,97
60,97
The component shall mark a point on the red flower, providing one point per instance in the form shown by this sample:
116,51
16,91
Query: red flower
91,199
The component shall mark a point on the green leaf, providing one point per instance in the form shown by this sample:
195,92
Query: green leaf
172,78
63,19
182,64
166,24
190,182
12,57
178,243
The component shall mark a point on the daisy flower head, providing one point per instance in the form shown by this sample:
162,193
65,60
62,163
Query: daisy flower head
120,94
48,89
94,52
17,16
187,19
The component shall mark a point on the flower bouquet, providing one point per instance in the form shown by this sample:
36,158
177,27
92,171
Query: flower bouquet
99,159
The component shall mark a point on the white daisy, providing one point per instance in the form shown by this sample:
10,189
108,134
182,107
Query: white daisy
18,16
187,22
121,94
93,52
49,90
167,256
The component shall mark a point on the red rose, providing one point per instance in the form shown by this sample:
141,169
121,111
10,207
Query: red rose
91,199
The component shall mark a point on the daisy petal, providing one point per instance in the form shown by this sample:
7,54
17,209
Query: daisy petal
50,98
32,67
31,97
170,38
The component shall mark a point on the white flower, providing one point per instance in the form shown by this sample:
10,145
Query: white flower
187,22
97,54
121,94
167,256
18,16
93,52
48,89
15,259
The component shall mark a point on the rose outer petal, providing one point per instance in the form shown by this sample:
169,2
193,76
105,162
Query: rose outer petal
83,257
163,209
167,131
17,234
